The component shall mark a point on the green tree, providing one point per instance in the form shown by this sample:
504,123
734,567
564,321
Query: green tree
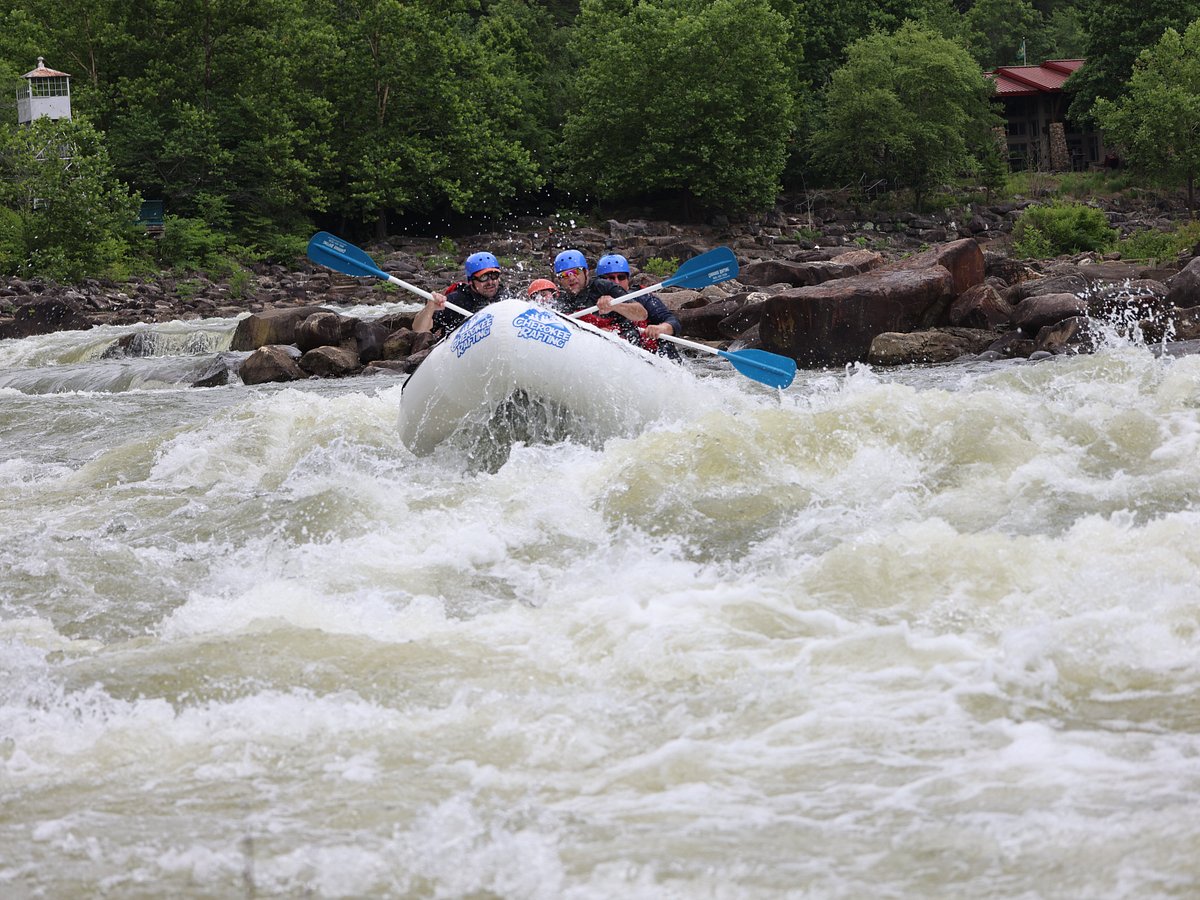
225,99
68,215
21,43
821,33
999,30
1064,37
1157,121
907,108
1117,31
428,117
520,49
680,97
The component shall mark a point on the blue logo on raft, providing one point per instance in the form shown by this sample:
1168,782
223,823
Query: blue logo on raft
542,326
471,333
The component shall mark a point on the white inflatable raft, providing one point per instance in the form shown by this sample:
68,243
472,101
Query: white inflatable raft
529,360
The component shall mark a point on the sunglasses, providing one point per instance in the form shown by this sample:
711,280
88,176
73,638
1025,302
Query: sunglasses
617,276
565,272
488,276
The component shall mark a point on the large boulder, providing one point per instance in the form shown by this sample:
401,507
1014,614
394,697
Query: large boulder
1117,272
324,329
404,342
271,326
1129,300
1055,284
980,306
1183,288
799,274
1035,313
935,346
1176,325
834,323
1077,333
745,317
330,362
963,259
703,322
43,315
369,337
275,362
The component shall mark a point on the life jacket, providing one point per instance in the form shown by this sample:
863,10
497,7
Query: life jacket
648,343
605,323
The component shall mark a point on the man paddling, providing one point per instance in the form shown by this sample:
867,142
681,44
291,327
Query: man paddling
481,288
659,319
577,291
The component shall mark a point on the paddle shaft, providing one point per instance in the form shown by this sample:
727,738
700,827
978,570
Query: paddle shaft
692,344
708,268
428,296
624,298
766,368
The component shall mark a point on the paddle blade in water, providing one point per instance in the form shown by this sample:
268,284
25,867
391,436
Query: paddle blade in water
770,369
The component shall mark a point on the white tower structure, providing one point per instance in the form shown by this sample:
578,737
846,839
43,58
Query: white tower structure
45,93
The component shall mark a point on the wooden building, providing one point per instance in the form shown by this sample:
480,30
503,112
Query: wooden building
1035,108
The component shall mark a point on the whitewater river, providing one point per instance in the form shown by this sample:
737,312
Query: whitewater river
920,633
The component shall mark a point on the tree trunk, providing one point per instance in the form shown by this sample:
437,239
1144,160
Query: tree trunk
381,225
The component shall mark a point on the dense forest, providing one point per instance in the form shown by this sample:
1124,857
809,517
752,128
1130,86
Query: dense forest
256,121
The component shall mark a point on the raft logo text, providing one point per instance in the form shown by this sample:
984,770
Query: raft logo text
471,334
539,325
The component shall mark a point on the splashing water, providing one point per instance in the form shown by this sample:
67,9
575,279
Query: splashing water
924,632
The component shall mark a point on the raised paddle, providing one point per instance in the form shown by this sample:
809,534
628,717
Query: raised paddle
700,271
332,252
766,368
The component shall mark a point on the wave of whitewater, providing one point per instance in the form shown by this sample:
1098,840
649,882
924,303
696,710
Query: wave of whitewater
912,633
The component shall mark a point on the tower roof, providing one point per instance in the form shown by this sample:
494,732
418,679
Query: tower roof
42,72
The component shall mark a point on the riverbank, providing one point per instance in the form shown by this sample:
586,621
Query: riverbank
786,249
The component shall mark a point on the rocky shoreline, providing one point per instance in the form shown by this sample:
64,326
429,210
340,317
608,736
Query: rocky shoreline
824,286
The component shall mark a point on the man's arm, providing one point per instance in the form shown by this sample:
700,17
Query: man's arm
423,321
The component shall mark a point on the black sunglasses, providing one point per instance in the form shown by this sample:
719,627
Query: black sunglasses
617,276
488,276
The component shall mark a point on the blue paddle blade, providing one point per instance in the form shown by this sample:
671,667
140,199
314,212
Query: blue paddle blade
770,369
708,268
332,252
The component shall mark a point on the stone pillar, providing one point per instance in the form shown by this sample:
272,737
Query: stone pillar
1060,158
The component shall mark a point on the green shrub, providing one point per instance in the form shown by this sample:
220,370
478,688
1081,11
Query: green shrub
656,265
1160,244
1092,184
1062,228
439,261
1033,244
240,283
190,244
14,251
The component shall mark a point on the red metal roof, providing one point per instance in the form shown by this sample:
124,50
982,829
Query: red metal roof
1048,78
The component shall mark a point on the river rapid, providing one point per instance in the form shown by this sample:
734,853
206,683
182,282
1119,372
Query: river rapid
926,632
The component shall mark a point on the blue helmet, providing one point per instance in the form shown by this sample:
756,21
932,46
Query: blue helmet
477,262
569,259
613,262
